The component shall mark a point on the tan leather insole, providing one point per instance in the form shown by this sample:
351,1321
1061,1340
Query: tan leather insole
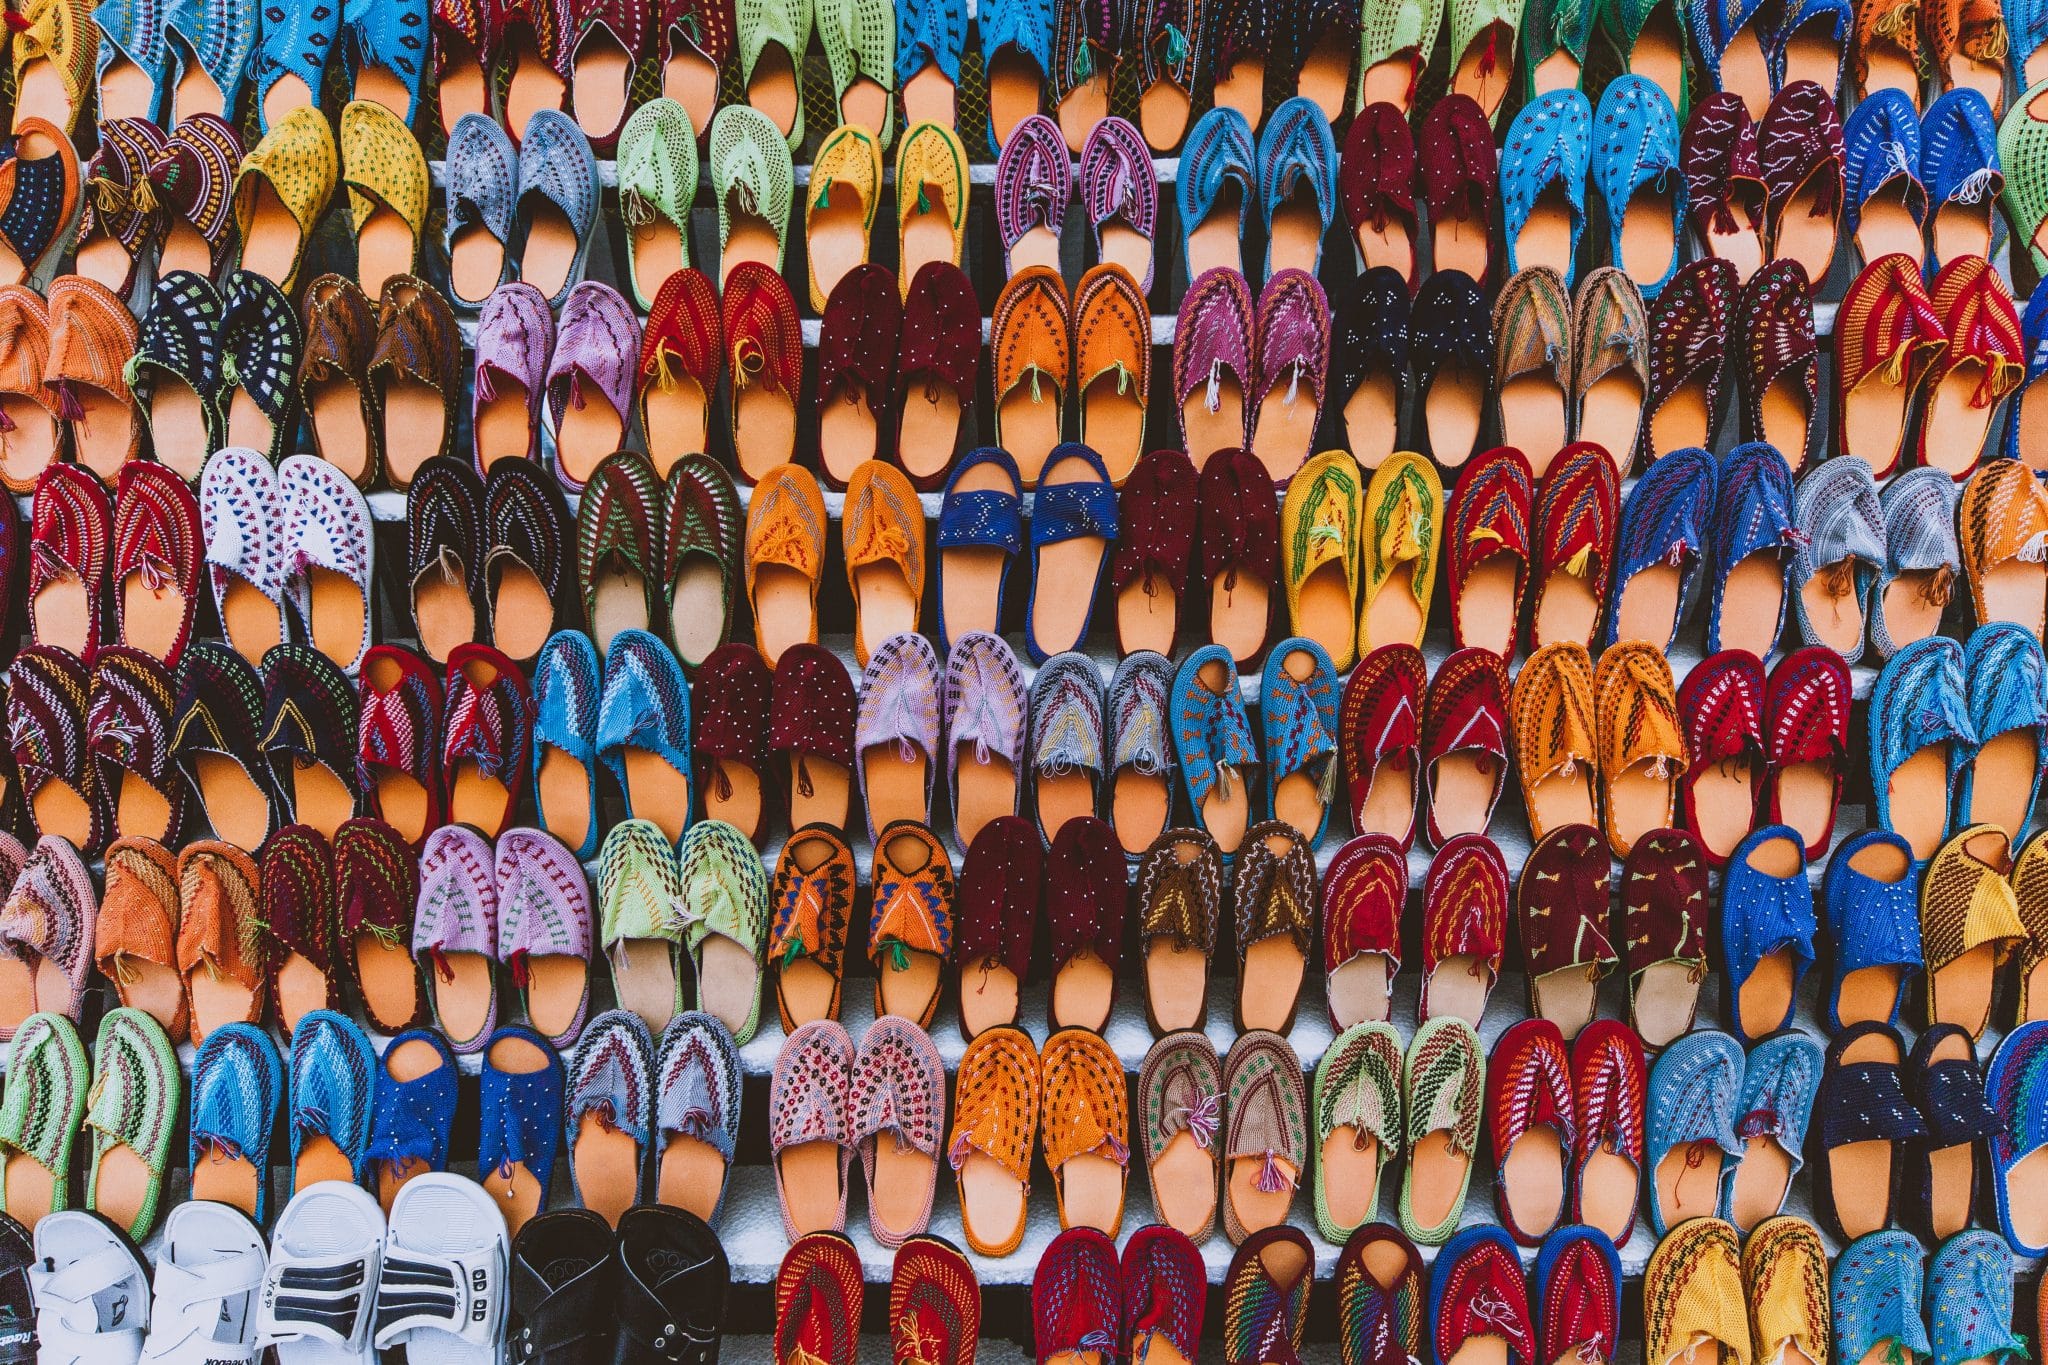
1297,233
1284,430
598,83
1608,1186
126,91
463,998
104,438
1786,422
2002,786
1724,802
59,808
1371,420
385,247
2029,1216
1083,107
1648,245
124,1181
983,791
1360,990
927,234
462,84
830,796
970,579
1256,1208
522,613
1437,1173
729,981
1389,805
1681,420
389,981
748,237
1962,426
402,803
1888,65
1243,88
1394,616
1462,785
1223,429
1919,799
928,431
415,418
1184,1184
1351,1175
1217,243
1459,986
556,984
339,615
31,1189
183,248
740,806
1113,424
563,787
235,806
151,987
301,988
1753,602
690,1174
336,412
656,790
772,88
1460,244
1091,1190
691,79
992,1203
764,430
676,417
549,257
587,434
1176,984
1638,801
607,1166
2015,590
513,1187
644,975
618,601
1648,606
320,798
476,262
1452,411
928,97
1762,1179
475,799
1271,983
1298,800
883,603
1909,612
62,613
1546,238
17,992
381,85
1568,610
1390,81
319,1159
1082,990
28,447
836,236
270,246
813,1193
988,996
1611,415
1487,603
248,424
1566,997
405,1061
1953,1169
1147,617
1689,1182
911,992
1532,1180
896,786
1665,999
1886,226
1561,799
697,612
178,426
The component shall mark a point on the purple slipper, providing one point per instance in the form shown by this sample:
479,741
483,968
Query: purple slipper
1212,355
899,713
457,916
544,912
597,353
1119,187
985,710
1034,181
1294,359
514,338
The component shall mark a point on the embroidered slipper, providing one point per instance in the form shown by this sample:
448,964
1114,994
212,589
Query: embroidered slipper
898,1094
810,899
1608,1087
936,367
1084,1128
1239,535
1875,1295
701,535
219,947
643,730
839,218
1369,364
726,890
1866,1127
1451,358
175,373
2014,1153
415,1107
1363,894
857,349
1489,550
1694,1088
280,192
299,924
1297,185
811,736
555,210
1560,908
1664,924
785,552
1380,735
682,352
1801,154
261,348
486,737
2006,679
1642,747
1212,356
1755,545
1072,528
910,920
1464,927
610,1108
386,176
1531,1123
931,226
1688,361
1889,337
40,1117
1320,518
1666,528
1722,701
525,539
590,381
48,717
33,434
1968,381
1442,1083
1274,894
730,739
455,933
309,714
1180,1090
70,549
1778,1085
543,901
376,886
1631,167
1726,195
980,531
1871,896
997,908
2003,521
1543,168
1218,758
1920,734
639,892
1464,745
1357,1113
343,406
332,1080
1032,341
1113,360
1265,1133
1922,559
1969,924
897,731
1298,721
985,714
1695,1293
885,554
237,1086
1533,362
1035,184
127,732
1076,1295
1404,502
133,1108
328,557
1576,513
696,1114
753,184
995,1114
217,740
1778,366
1180,900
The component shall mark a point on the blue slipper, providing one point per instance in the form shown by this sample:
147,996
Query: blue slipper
294,40
1778,1085
1969,1288
556,166
697,1091
1638,146
1298,722
1694,1088
520,1123
1665,529
237,1083
1919,509
2017,1083
610,1082
2034,331
1959,166
1549,148
1752,518
1219,151
1214,739
1874,1294
132,31
217,36
1717,27
1881,156
645,706
1842,541
568,680
1297,153
390,35
1862,1103
1025,28
929,33
1062,512
415,1119
483,166
1767,929
1832,17
1477,1288
1919,706
333,1088
1871,897
1589,1319
2007,681
976,521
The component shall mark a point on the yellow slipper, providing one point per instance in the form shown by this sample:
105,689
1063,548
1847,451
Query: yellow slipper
1320,555
386,174
53,52
280,193
931,200
839,213
1403,525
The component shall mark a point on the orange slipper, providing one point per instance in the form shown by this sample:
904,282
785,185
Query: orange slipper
785,559
995,1115
1641,742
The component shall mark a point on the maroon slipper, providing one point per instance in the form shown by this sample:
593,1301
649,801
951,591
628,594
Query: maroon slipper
1156,520
1240,544
1689,326
1561,908
1464,744
1379,731
997,907
1464,927
1806,710
1460,182
1376,183
810,735
1664,932
935,372
1085,898
733,691
1721,703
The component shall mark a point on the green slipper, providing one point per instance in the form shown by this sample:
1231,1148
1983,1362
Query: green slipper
1483,35
859,37
1357,1111
1662,61
40,1111
727,893
1397,38
640,916
137,1091
773,37
657,182
753,180
1555,35
2023,152
1445,1080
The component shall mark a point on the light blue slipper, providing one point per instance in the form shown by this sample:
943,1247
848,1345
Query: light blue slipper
2007,681
1694,1089
1634,168
1543,167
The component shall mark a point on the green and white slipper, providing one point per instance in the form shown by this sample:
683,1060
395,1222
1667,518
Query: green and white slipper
137,1091
727,892
859,37
773,37
1357,1112
753,180
640,917
657,181
1445,1083
1396,39
40,1111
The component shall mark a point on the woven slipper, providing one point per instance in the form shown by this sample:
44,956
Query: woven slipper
722,881
1867,1126
134,936
1239,535
995,1115
1642,746
1722,701
237,1086
1217,753
1695,1280
1451,356
454,934
1443,1079
1380,735
811,730
1969,924
1577,509
40,1117
386,176
415,1110
895,1115
1607,1158
1489,550
1369,367
301,933
219,951
1922,559
643,731
1179,899
1363,893
609,1112
136,1094
1464,745
639,893
1357,1112
1970,379
48,719
1464,928
1560,909
1661,548
1920,734
1298,722
809,1108
2006,679
985,714
332,1086
46,935
1084,1129
556,208
1755,546
1180,1092
1694,1088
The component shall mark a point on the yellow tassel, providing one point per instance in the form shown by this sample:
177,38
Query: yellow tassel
1580,562
1893,371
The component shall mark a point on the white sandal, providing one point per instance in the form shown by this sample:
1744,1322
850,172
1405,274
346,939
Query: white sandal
208,1278
319,1292
91,1289
442,1291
